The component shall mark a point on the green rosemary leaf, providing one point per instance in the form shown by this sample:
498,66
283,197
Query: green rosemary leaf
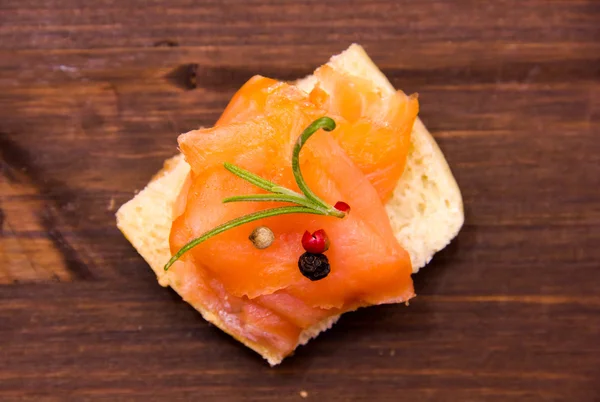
327,124
250,177
285,191
295,199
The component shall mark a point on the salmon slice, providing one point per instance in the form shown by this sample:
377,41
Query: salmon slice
373,128
264,288
249,101
377,137
246,319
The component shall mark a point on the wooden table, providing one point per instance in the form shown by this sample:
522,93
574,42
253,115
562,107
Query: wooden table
93,95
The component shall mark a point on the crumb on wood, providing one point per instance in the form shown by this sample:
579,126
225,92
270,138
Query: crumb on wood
67,69
304,394
393,352
111,204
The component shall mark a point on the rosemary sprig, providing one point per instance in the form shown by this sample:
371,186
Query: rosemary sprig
327,124
274,197
306,203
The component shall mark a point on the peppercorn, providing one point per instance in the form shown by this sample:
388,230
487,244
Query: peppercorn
315,243
342,206
262,237
314,266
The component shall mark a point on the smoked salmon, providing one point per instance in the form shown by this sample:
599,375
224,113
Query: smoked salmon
372,128
261,292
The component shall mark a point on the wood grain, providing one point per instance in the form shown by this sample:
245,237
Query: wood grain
93,94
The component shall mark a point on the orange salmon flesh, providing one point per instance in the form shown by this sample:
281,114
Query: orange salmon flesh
261,294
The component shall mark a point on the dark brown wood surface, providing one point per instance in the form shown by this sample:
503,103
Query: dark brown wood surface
93,95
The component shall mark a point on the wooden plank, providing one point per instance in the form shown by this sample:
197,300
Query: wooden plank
93,95
73,24
129,326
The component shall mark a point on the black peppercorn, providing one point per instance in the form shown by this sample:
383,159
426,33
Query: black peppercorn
314,266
